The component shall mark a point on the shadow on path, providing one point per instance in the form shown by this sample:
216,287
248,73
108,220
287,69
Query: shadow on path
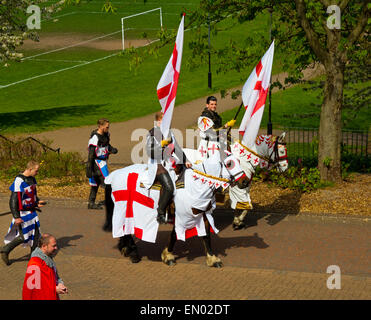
273,213
193,248
64,242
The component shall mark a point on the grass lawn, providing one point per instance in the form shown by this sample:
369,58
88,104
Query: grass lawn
75,86
64,89
296,107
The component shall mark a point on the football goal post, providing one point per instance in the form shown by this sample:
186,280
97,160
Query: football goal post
139,24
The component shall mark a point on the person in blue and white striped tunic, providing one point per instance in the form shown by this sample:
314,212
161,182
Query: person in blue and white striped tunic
25,226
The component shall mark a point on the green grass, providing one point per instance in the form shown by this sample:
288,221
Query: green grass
108,88
296,107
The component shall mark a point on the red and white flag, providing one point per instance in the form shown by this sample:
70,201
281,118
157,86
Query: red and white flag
168,84
135,210
254,94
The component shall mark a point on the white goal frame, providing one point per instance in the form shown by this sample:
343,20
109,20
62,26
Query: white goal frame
134,15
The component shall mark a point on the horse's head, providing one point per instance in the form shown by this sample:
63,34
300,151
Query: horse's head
278,156
237,175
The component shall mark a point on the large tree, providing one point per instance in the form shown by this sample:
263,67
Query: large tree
333,33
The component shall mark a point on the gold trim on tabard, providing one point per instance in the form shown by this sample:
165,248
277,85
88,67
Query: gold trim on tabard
243,205
210,176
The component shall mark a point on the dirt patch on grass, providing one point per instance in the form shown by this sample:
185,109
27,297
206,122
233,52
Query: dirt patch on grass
93,41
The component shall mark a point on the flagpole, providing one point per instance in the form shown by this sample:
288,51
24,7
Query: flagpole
269,126
209,74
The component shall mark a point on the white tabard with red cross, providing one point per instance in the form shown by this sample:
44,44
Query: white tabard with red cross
206,148
135,208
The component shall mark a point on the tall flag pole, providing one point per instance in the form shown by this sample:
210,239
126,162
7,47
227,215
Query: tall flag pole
168,84
254,95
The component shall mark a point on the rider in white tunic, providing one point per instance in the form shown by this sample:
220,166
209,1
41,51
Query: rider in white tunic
210,126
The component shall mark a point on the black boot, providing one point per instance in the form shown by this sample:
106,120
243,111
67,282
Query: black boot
5,251
92,205
92,196
166,195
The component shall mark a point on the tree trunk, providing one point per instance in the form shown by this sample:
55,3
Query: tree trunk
329,149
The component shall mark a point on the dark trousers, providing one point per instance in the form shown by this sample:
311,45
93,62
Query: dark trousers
99,179
167,190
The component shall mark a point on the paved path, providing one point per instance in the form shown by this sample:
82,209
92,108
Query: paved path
276,257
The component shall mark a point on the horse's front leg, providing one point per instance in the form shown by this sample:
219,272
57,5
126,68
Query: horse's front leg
240,198
211,259
128,248
238,221
166,256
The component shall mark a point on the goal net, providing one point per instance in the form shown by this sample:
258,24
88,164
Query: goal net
141,28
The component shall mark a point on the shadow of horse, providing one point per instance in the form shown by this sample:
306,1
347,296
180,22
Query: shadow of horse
273,213
193,248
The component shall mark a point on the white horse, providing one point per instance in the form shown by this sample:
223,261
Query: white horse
268,152
131,207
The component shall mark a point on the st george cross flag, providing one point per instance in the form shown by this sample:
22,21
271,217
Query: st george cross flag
135,208
254,94
168,84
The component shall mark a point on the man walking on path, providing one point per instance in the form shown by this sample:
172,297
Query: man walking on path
96,168
24,228
42,281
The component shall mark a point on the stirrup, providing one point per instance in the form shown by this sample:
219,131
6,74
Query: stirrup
161,218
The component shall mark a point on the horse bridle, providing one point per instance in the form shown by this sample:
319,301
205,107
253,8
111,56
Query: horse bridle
277,157
271,162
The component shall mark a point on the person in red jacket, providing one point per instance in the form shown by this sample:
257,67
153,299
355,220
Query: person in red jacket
42,281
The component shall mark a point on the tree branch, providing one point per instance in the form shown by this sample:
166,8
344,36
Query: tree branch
343,4
359,28
312,37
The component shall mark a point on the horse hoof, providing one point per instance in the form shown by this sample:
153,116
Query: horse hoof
238,226
126,251
170,263
135,259
107,228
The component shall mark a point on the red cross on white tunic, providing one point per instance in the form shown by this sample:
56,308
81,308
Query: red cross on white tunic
202,151
213,148
131,195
